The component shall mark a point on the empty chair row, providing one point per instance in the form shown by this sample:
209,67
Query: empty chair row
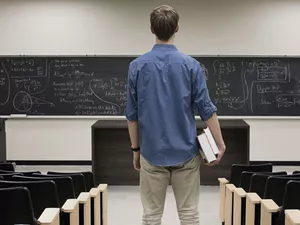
226,191
77,200
83,181
260,197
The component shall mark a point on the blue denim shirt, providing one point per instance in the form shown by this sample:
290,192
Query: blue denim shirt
165,86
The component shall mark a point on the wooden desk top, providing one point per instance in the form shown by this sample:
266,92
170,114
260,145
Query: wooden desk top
122,123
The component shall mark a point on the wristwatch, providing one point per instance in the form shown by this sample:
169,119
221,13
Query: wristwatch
135,149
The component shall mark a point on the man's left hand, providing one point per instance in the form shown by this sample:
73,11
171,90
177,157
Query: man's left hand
136,161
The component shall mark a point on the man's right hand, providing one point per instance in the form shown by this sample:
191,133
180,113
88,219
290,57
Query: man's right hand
214,126
220,156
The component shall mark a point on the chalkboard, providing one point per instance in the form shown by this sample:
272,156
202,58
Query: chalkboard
94,86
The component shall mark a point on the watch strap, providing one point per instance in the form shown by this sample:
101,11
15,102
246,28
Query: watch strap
135,149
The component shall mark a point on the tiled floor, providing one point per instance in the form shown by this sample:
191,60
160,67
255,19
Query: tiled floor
124,205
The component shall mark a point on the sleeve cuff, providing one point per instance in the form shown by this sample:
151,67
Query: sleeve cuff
132,117
208,112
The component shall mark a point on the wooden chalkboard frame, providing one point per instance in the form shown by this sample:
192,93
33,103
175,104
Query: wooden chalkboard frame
136,55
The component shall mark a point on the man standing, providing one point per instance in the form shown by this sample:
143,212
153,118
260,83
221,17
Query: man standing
164,88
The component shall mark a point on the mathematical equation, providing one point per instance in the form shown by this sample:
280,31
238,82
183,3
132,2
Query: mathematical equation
254,84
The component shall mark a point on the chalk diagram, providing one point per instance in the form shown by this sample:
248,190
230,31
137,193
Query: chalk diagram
260,77
268,74
8,85
24,101
101,85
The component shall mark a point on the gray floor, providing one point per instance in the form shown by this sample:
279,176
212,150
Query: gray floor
125,208
124,205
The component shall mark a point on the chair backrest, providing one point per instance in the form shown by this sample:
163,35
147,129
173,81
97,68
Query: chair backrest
88,176
246,178
275,187
7,167
291,200
16,206
8,176
43,193
6,171
78,181
64,185
29,173
258,183
237,169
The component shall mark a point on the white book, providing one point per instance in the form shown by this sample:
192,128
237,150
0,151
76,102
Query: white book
211,141
208,147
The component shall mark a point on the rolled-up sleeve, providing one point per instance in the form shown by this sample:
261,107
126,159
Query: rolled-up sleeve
131,105
200,95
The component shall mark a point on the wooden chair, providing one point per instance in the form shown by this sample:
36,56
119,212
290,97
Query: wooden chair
272,214
292,217
44,195
274,190
99,205
97,198
227,188
250,182
88,176
16,208
84,208
65,191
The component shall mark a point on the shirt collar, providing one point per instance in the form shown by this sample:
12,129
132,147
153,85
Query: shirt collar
164,47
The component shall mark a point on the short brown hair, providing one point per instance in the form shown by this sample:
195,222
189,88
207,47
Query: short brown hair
164,22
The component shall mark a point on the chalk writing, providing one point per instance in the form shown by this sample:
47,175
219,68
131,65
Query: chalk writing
111,91
268,88
76,101
21,62
205,71
265,102
224,67
23,68
73,63
288,100
28,85
96,110
2,81
98,85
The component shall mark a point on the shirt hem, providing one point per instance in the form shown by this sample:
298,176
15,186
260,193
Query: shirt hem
175,164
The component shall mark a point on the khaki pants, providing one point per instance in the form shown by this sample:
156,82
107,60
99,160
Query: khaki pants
185,181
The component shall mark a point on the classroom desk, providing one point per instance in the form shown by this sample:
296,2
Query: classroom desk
112,156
